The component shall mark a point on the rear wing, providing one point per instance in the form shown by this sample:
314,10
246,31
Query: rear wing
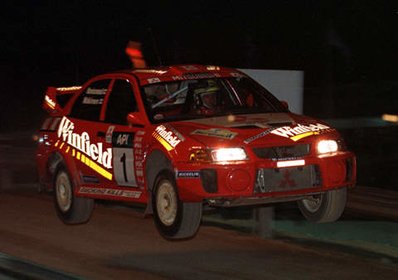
56,99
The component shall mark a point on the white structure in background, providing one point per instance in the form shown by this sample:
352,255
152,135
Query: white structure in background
287,85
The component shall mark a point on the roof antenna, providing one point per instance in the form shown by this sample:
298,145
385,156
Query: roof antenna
155,47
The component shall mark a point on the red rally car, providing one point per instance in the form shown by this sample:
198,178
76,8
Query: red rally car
177,138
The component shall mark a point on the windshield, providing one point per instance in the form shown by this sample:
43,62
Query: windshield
193,99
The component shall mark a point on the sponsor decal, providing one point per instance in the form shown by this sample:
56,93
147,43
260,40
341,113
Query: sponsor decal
82,143
192,76
108,136
122,140
188,174
84,159
92,101
216,132
110,192
166,137
51,103
300,131
154,80
258,136
95,91
94,166
139,157
177,133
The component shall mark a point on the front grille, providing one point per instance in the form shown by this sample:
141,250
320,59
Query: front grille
283,152
287,179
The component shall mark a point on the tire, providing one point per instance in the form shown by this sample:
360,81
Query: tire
173,218
324,208
70,209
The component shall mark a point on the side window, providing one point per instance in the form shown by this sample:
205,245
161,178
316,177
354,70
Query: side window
121,101
88,104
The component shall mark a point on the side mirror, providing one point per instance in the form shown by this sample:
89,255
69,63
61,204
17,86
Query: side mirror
135,119
285,104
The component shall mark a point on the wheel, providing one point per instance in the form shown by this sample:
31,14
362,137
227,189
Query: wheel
324,208
70,209
173,218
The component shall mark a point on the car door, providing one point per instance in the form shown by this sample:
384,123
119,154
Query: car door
124,140
80,130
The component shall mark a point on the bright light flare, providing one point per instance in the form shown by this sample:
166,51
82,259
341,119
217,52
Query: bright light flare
327,146
228,154
390,118
290,163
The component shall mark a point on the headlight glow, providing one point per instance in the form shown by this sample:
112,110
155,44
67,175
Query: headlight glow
228,154
327,146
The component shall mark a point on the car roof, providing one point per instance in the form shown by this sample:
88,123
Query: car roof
181,72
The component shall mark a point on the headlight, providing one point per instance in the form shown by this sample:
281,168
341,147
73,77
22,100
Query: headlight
327,146
228,154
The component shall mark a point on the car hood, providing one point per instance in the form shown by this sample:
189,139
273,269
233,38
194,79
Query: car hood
253,129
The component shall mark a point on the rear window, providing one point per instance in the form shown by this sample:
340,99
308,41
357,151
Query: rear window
88,104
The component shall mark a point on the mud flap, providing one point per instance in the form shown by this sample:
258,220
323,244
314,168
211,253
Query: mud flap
148,210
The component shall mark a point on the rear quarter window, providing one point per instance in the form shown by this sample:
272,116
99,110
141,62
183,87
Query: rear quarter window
88,104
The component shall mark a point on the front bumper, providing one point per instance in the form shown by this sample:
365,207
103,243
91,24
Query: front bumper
262,181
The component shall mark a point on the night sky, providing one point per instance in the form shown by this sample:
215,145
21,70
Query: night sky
63,43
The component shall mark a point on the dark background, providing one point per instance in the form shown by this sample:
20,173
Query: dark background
347,50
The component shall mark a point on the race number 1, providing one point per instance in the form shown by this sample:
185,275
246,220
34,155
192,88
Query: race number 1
123,158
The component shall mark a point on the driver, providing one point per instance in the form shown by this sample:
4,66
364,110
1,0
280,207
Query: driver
206,99
209,100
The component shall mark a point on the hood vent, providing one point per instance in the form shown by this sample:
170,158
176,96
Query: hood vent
248,126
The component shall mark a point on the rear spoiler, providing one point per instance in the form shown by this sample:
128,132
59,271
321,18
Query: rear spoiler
56,99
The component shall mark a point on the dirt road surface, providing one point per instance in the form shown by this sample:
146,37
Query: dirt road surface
118,243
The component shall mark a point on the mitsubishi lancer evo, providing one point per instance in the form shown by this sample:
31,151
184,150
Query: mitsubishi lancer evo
178,138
